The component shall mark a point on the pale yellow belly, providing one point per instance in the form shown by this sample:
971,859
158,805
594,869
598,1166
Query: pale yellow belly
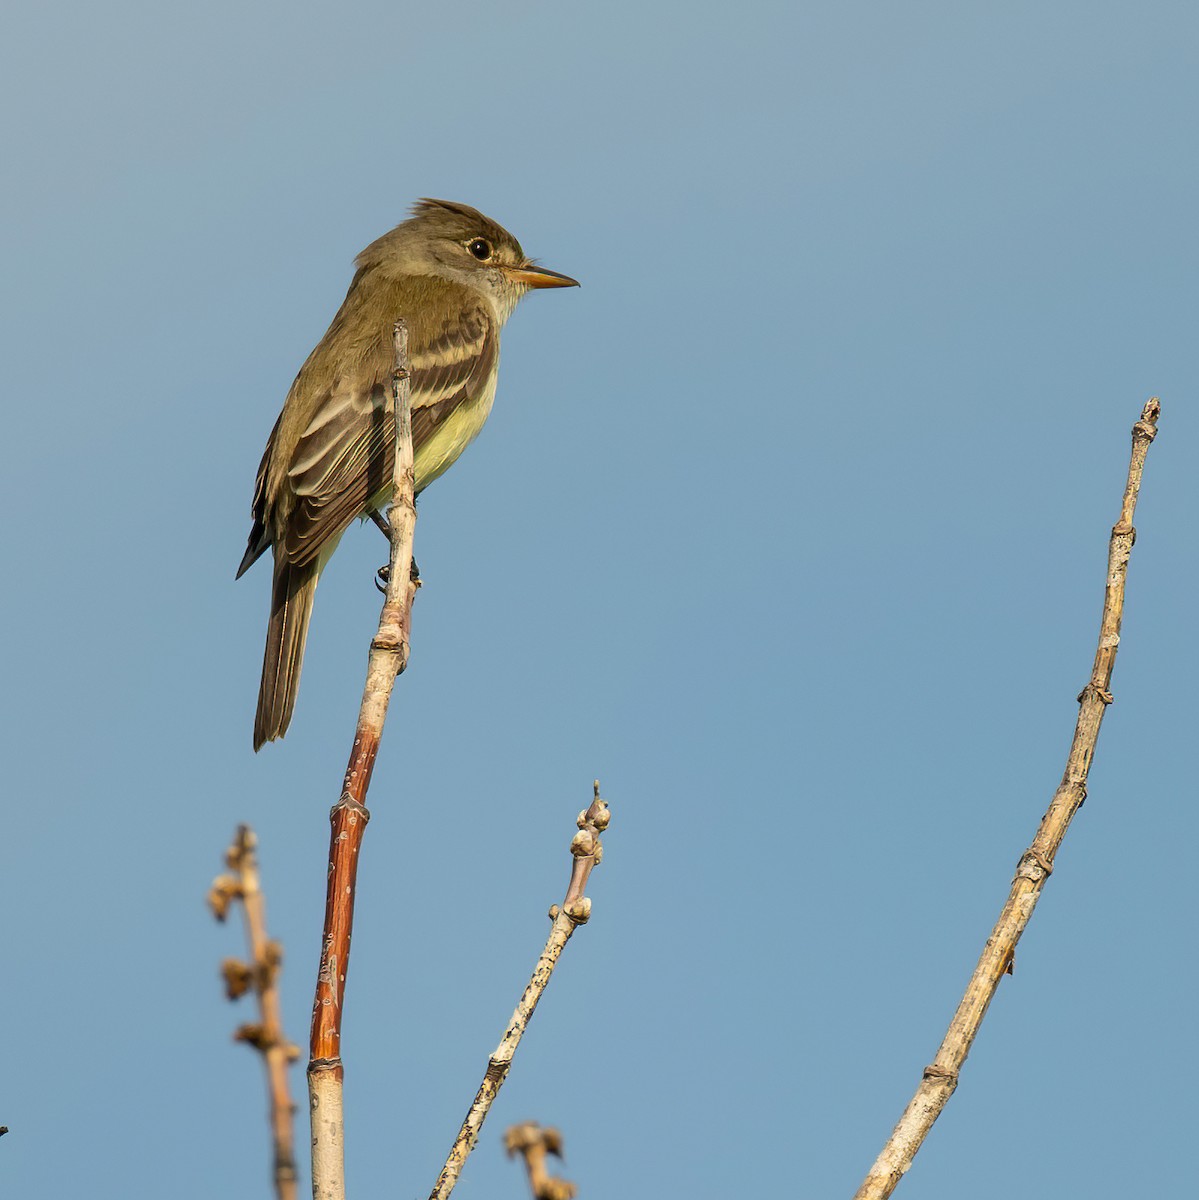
452,436
447,442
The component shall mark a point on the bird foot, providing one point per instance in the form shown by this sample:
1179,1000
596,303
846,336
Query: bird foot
383,575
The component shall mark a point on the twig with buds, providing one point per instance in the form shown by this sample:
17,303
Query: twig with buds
534,1143
260,975
587,851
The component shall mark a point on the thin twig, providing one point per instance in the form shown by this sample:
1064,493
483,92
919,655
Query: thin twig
940,1078
587,851
388,657
534,1143
261,975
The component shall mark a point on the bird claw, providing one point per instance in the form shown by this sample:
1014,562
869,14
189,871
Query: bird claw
383,576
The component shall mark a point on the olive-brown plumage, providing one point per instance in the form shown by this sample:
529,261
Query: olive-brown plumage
455,276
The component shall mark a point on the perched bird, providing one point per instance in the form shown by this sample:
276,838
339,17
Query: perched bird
455,276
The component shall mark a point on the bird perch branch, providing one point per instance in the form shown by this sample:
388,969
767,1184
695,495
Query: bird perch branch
388,657
941,1077
587,852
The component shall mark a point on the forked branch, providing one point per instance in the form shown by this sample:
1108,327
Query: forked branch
941,1077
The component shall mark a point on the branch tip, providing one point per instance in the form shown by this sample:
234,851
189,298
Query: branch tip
575,910
1036,864
533,1143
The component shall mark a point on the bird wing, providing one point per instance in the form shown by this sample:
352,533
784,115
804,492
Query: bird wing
344,457
260,537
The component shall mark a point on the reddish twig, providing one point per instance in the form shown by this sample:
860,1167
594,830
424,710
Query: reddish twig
587,852
261,976
388,657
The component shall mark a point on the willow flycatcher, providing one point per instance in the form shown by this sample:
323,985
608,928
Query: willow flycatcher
455,276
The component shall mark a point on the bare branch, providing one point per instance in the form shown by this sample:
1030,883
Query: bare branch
587,852
388,658
261,975
534,1143
941,1077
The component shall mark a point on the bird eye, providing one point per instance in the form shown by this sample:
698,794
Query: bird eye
480,248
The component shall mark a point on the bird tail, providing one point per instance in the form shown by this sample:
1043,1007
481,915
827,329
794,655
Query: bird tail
291,610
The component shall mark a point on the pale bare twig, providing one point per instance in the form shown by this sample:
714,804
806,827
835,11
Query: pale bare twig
587,852
534,1143
261,975
388,657
940,1078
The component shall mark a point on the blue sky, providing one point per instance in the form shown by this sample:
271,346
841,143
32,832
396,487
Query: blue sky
789,525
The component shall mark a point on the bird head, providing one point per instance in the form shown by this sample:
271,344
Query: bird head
456,242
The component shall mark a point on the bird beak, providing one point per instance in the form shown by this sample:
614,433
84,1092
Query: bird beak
538,277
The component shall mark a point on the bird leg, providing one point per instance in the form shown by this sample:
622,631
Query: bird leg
384,572
380,522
